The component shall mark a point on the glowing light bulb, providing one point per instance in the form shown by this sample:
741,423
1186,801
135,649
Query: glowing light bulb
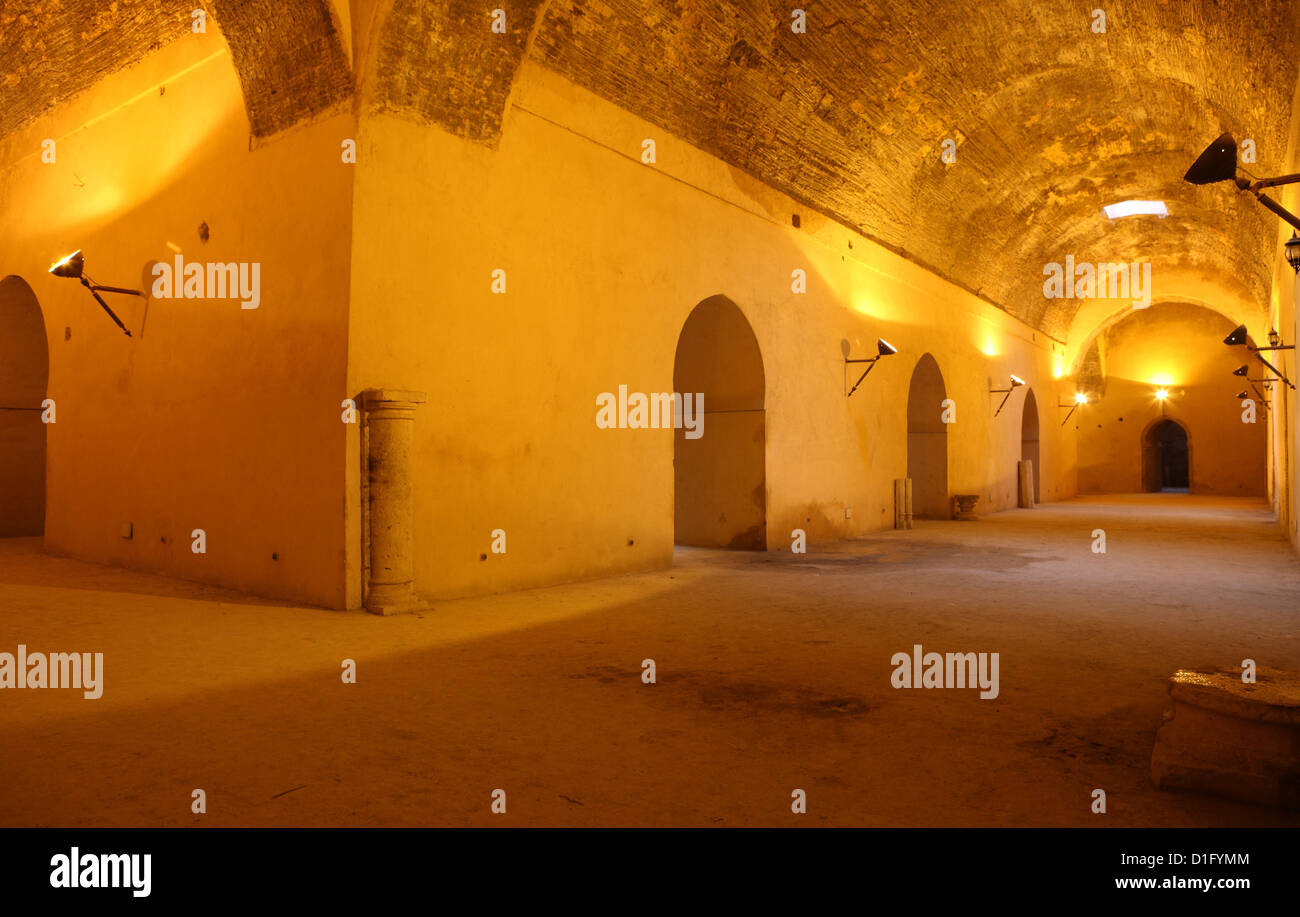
1161,394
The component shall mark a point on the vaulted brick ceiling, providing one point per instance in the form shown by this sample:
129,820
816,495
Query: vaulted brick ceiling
288,53
1052,121
51,50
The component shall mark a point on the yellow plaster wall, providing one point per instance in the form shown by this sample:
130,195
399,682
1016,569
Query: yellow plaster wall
212,416
1178,349
1284,438
605,256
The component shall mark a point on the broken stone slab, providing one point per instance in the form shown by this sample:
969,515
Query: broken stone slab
1226,738
965,506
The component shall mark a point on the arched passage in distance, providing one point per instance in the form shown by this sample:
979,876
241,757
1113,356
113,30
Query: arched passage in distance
927,441
719,470
1029,451
1166,458
24,374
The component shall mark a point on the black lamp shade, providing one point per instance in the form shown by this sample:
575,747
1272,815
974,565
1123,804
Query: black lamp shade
1016,381
1217,163
71,266
1237,338
1293,252
1242,371
884,348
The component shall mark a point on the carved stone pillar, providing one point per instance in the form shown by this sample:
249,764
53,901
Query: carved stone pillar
389,520
902,503
1026,475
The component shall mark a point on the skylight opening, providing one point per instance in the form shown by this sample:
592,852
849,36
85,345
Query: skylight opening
1136,209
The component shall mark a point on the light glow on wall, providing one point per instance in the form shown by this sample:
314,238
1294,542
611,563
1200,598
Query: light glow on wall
114,177
877,304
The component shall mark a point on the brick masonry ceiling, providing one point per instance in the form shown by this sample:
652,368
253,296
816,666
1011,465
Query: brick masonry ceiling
1051,120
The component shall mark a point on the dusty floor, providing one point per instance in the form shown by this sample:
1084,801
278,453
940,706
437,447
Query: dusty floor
773,674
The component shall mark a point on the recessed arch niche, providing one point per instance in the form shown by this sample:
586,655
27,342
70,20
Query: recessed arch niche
927,441
1029,451
1166,457
24,376
720,479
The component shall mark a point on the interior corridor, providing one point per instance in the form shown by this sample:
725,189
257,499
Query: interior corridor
773,673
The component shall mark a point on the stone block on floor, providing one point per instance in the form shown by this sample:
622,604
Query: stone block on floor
1227,738
964,506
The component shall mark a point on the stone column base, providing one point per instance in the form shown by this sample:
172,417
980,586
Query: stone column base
394,600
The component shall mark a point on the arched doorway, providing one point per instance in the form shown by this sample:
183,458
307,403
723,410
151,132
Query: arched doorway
720,474
927,441
1029,450
24,374
1166,458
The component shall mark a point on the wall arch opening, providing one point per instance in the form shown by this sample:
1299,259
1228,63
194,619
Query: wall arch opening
24,375
927,441
1166,458
1029,451
720,476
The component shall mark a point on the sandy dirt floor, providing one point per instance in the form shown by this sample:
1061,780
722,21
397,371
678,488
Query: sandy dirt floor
773,674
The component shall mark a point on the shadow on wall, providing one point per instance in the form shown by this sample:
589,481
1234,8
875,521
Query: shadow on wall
927,441
720,477
24,375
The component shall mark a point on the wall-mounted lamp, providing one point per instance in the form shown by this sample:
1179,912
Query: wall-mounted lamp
1238,339
74,265
1161,396
1016,382
1258,394
1219,163
883,349
1079,398
1244,372
1292,250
